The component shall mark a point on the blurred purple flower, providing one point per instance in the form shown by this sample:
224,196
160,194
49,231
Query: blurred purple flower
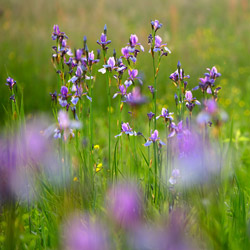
124,205
174,177
151,89
83,232
135,98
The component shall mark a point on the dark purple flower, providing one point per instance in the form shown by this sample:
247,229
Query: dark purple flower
133,75
12,98
124,205
78,54
150,115
53,97
64,92
10,82
156,25
153,138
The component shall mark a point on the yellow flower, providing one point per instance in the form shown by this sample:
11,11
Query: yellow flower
75,179
98,167
96,147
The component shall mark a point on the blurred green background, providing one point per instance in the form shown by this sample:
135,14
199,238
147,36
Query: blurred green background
200,33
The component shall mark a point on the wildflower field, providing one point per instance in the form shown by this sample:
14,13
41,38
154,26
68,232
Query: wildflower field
125,125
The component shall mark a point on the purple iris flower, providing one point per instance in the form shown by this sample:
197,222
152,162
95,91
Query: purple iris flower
122,92
207,83
110,65
213,73
78,54
175,77
10,82
159,45
63,96
135,98
166,115
103,41
190,101
57,34
125,51
64,92
154,138
175,129
151,89
156,25
133,41
133,75
126,129
150,115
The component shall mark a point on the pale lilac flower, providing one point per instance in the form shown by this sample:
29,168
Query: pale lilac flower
133,75
154,138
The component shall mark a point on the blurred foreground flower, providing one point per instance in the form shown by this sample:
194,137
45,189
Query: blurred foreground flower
84,233
124,205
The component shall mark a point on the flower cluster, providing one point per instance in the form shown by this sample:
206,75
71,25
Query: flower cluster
207,83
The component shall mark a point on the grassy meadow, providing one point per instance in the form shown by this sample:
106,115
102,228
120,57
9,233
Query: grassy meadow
87,166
